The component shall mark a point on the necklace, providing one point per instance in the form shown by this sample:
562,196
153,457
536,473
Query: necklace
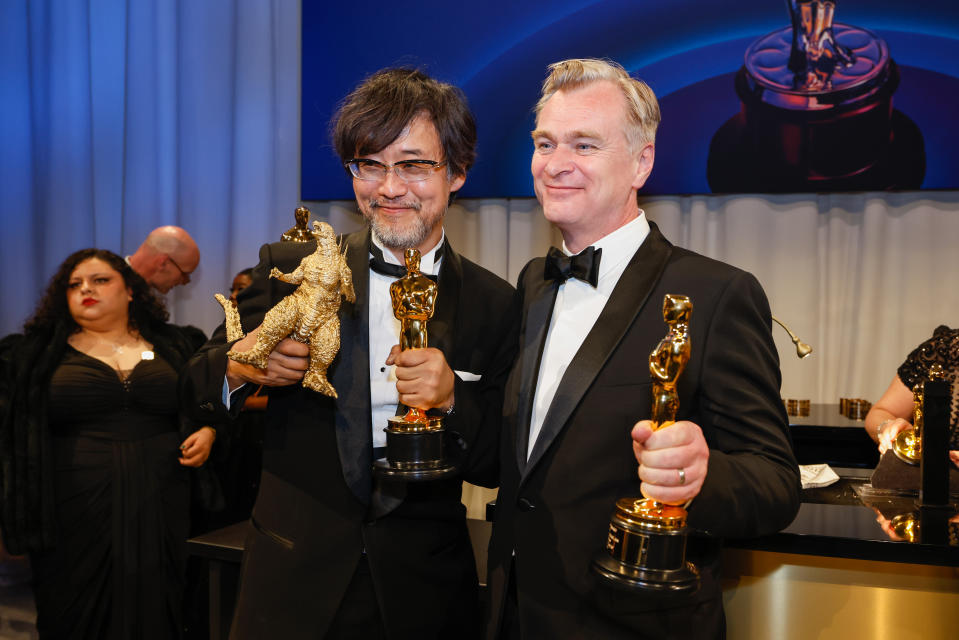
118,348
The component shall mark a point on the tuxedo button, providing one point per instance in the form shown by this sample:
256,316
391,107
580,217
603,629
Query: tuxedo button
525,505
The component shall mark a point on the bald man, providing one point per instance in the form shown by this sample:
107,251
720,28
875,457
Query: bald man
166,258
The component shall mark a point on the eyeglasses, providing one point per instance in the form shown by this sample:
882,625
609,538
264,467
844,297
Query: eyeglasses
183,274
405,170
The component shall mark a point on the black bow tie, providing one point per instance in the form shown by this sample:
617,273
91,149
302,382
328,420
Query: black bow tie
379,264
583,266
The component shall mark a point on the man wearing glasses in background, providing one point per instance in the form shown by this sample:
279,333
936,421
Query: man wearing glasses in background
166,258
335,552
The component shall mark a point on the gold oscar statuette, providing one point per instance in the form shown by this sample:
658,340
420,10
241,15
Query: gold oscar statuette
908,443
646,543
299,232
414,441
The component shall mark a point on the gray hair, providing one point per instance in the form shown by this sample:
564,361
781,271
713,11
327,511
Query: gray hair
642,108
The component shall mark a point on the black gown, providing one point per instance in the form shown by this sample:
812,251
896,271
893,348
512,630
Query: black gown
122,504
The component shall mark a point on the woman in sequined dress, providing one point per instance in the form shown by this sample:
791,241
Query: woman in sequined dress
891,414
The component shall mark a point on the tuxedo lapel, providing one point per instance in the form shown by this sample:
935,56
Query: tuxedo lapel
536,317
350,374
440,326
629,296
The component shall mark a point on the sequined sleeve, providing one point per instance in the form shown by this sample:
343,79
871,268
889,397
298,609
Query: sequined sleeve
942,348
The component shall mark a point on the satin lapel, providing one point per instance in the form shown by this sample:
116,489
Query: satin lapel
440,326
351,376
539,309
629,297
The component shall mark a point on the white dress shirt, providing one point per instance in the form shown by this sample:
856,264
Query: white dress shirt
575,311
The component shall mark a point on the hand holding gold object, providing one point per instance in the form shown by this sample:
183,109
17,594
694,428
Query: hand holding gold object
414,301
308,315
646,542
415,449
908,443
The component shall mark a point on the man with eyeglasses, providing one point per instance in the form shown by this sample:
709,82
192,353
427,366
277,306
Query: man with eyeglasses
166,258
335,552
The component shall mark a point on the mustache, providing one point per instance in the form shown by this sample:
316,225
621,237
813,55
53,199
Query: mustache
374,203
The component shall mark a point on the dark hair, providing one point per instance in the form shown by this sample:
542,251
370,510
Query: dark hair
377,111
146,310
248,272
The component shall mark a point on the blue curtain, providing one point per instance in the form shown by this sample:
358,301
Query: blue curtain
118,116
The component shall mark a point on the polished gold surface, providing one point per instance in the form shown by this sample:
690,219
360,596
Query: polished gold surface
669,358
908,443
414,301
307,315
415,421
906,526
650,513
646,541
300,232
666,363
771,595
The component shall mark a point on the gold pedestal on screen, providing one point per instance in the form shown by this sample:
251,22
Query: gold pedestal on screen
908,443
415,442
646,543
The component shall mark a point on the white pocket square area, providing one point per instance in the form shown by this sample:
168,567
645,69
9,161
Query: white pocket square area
466,376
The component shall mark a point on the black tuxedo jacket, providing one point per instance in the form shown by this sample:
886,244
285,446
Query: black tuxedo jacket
554,509
319,507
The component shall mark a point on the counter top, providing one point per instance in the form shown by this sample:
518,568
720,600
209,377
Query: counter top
833,521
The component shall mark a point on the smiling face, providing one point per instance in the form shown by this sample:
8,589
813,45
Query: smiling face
584,172
408,214
97,296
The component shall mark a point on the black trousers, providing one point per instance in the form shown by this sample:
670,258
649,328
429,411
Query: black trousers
359,615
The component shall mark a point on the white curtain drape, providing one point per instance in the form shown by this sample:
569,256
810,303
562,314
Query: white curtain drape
863,278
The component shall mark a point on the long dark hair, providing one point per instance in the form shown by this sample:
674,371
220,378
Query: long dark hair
146,311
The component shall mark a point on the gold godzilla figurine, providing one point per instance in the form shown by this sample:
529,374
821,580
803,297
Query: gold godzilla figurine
308,315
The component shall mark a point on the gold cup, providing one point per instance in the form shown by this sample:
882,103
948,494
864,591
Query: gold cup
646,543
415,447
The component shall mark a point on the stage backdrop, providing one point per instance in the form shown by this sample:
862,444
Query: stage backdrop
869,108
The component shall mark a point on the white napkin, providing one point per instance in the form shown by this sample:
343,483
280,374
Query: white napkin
814,476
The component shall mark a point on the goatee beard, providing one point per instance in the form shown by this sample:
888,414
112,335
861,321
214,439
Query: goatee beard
399,236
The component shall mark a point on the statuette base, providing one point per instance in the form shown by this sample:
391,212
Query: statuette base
415,451
646,548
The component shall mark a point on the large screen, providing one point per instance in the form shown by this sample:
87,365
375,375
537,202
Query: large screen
757,96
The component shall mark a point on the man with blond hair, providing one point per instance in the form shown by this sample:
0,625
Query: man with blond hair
166,258
578,398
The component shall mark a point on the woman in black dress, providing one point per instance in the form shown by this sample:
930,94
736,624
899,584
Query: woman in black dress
93,481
